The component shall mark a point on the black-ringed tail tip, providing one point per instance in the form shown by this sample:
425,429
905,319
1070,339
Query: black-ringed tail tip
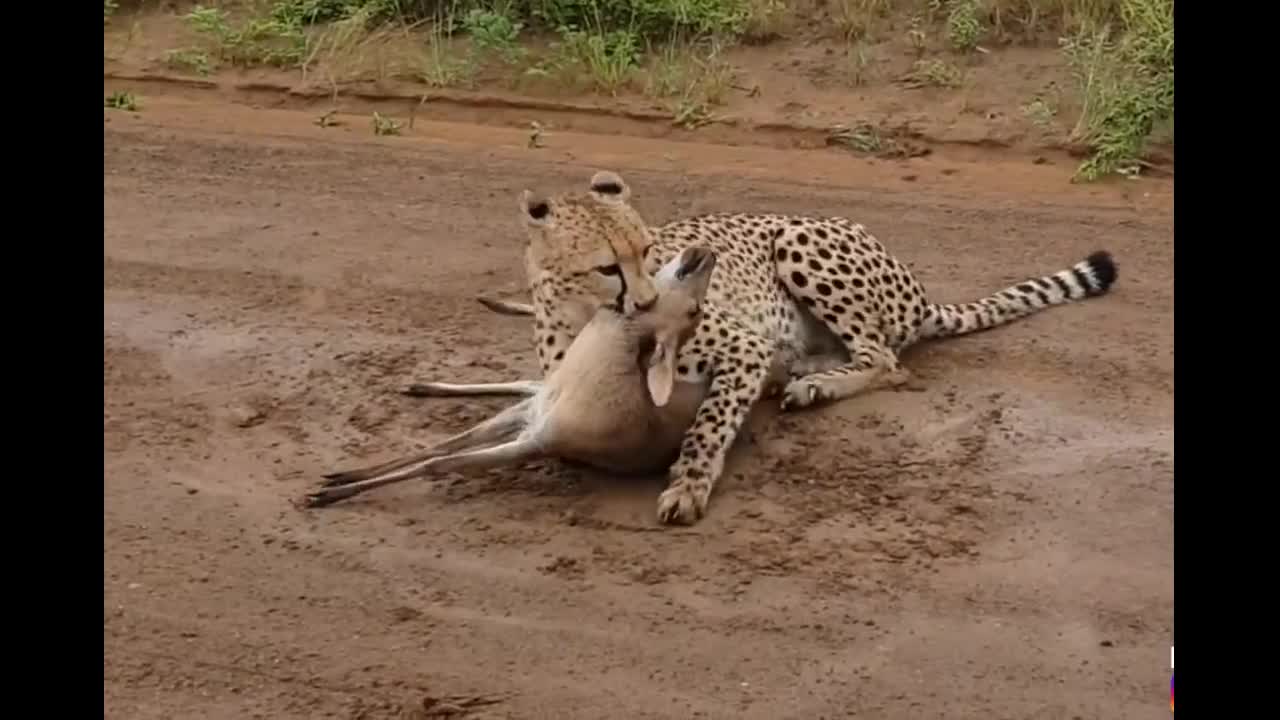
1099,271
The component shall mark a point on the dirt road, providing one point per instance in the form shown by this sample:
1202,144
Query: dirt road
996,546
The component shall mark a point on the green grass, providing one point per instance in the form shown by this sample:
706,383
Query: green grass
601,41
1041,112
443,63
934,73
649,20
607,60
190,60
1124,77
254,41
863,138
693,78
964,26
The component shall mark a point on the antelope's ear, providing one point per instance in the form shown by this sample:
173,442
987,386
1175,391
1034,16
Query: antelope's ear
661,374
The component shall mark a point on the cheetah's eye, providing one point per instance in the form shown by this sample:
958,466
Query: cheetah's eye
609,270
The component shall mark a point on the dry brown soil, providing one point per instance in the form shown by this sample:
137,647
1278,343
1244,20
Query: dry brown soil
997,546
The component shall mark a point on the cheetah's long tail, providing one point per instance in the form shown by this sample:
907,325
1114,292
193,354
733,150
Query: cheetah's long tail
1090,277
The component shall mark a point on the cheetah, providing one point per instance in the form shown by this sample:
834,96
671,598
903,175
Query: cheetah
819,297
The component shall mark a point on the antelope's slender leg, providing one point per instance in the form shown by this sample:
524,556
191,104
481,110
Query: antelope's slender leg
500,427
526,388
507,453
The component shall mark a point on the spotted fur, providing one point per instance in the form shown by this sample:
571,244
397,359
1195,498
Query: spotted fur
819,298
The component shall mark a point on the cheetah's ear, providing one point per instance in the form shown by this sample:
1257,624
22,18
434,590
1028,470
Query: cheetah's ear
535,209
608,185
661,375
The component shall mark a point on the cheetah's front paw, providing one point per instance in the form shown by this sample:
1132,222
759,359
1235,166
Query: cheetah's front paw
800,394
681,504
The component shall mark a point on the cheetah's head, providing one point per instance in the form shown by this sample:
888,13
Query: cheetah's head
588,248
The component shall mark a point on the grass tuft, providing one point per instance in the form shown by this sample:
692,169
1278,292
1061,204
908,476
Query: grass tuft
695,76
443,63
964,28
190,60
494,35
934,73
383,125
120,100
607,60
863,138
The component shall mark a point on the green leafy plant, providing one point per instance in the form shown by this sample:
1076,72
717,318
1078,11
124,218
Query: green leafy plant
964,28
608,59
863,138
494,34
267,41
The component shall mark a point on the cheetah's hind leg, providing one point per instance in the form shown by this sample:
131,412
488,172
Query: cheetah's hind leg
873,367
